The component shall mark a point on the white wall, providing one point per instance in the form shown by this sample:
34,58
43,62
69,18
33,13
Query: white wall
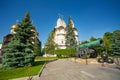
0,46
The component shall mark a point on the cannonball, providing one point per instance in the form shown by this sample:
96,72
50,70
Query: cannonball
104,56
109,60
100,60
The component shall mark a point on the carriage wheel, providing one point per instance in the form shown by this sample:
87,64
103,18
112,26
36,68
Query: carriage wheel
83,56
93,55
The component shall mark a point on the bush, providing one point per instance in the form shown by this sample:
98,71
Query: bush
65,52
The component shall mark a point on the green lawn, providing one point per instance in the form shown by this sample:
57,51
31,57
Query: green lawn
21,72
25,71
45,58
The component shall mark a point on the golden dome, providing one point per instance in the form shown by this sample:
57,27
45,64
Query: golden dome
36,33
14,27
33,28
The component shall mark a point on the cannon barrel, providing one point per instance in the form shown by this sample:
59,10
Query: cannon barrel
91,44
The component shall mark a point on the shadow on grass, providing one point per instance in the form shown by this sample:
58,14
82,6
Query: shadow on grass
38,63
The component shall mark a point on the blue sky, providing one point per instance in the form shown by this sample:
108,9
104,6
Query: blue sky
91,17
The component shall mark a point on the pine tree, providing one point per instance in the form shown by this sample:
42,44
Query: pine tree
11,57
70,35
115,46
37,47
19,52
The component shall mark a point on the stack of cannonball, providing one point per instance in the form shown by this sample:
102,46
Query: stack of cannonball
104,58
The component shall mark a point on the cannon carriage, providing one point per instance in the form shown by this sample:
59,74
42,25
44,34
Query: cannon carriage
88,49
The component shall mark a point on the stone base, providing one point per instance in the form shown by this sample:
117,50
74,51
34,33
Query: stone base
117,61
88,61
83,61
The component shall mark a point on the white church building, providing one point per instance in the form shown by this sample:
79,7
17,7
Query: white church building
60,32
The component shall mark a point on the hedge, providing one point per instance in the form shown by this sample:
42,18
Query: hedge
65,52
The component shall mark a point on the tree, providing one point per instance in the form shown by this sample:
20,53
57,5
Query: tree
70,35
92,39
37,47
19,51
84,42
65,52
107,40
50,45
115,46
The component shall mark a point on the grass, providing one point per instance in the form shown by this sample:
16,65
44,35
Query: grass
25,71
38,58
21,72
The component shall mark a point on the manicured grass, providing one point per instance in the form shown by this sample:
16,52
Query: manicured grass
25,71
38,58
21,72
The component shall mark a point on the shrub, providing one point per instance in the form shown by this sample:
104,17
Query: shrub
65,52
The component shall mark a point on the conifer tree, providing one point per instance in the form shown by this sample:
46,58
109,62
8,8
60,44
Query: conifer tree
70,35
19,51
37,47
115,46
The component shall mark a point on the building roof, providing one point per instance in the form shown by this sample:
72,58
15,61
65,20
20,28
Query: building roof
33,28
14,26
60,22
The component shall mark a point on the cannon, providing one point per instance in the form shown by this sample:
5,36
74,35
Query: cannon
83,50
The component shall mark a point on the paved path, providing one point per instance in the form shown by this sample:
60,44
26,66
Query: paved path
67,70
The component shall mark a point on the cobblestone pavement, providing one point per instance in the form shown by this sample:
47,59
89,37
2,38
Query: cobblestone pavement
68,70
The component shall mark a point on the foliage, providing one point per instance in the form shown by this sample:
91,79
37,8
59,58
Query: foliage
115,46
112,41
19,51
70,35
21,72
38,58
37,47
50,45
84,42
66,52
107,40
42,51
92,39
100,49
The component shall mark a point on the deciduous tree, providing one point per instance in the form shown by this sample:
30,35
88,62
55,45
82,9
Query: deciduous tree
50,45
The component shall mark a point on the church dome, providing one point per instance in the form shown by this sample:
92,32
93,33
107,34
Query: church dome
14,27
64,24
33,28
61,22
37,33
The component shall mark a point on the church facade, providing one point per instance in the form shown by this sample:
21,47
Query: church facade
60,33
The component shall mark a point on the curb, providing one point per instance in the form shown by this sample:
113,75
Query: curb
40,72
32,77
35,76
